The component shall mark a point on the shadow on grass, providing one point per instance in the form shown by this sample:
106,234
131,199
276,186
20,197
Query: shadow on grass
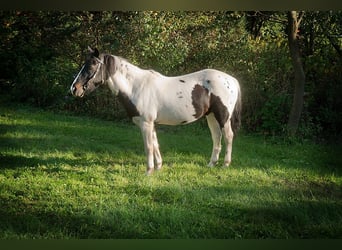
27,222
10,161
55,164
302,219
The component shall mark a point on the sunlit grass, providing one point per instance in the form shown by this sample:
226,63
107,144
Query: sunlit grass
77,177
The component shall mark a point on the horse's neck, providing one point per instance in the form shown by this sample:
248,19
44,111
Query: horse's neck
126,77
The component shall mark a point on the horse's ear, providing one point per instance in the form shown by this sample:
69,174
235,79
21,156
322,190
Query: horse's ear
94,52
90,50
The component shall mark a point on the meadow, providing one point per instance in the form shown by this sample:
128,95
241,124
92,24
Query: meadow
67,177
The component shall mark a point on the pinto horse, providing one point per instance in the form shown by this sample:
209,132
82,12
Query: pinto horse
151,98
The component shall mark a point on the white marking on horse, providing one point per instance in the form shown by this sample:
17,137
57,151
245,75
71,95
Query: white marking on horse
72,85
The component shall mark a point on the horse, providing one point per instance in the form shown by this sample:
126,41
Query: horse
151,98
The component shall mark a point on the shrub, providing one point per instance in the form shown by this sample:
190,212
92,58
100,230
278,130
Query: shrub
42,83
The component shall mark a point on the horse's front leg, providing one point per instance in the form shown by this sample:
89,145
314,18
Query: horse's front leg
147,129
157,156
147,133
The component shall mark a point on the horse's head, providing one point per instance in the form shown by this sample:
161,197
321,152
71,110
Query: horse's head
90,75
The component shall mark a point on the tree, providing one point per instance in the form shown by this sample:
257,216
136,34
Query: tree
294,20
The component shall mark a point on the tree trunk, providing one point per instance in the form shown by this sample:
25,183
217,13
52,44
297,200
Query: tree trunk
299,81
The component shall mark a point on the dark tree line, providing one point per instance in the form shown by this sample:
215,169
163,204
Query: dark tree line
288,63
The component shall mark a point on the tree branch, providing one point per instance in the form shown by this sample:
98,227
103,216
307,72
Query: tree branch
300,17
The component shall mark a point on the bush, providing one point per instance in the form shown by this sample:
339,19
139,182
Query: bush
274,115
42,83
101,103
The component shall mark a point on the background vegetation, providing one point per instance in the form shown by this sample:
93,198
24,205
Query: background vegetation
42,51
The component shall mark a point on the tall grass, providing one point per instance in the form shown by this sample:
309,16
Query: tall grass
76,177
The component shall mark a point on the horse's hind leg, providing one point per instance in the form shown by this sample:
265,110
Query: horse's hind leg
216,135
228,138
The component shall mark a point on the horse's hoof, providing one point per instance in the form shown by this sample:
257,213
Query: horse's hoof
158,167
211,164
226,164
149,171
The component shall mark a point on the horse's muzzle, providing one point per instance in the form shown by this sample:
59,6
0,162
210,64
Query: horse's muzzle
77,90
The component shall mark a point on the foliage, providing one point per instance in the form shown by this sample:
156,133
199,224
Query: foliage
159,43
42,51
323,62
274,115
72,177
41,83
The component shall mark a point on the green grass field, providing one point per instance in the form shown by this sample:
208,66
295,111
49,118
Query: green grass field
76,177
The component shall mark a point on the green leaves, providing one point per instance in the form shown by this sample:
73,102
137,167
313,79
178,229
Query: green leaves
43,50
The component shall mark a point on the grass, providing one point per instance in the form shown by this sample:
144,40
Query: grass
75,177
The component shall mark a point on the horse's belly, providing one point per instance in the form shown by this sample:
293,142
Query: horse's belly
175,116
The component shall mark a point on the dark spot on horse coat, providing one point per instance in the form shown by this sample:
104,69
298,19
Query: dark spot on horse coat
205,104
130,108
219,110
181,80
200,100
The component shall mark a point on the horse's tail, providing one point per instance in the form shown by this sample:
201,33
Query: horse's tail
236,116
